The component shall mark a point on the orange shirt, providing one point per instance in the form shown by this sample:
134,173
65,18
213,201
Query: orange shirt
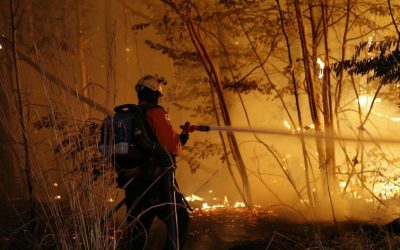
158,120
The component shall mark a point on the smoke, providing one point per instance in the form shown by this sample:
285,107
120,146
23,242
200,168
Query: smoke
364,191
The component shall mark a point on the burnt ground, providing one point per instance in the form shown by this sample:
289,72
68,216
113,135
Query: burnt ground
237,229
234,229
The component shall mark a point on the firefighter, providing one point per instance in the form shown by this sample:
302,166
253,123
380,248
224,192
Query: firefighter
147,190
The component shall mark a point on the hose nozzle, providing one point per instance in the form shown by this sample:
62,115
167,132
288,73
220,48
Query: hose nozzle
187,128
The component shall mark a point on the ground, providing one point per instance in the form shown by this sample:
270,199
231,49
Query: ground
237,228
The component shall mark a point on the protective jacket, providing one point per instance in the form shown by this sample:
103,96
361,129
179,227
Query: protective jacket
159,122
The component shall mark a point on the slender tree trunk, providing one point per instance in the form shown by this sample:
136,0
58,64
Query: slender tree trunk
339,82
315,22
328,114
339,85
310,84
222,73
307,164
21,111
110,50
217,86
327,95
81,58
9,175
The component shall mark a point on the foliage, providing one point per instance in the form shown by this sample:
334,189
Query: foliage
221,30
78,143
223,33
385,66
259,46
180,57
201,150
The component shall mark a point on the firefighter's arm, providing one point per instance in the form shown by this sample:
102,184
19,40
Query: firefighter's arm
167,137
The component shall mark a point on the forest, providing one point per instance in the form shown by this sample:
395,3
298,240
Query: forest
301,100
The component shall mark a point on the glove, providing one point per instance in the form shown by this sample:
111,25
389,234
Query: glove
183,137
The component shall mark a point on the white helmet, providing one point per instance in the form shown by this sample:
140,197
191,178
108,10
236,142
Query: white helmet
152,82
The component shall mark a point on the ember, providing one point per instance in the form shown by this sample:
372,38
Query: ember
206,206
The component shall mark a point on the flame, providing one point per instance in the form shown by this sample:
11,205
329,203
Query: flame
287,125
194,197
383,190
226,202
239,204
395,119
365,101
205,206
387,191
321,68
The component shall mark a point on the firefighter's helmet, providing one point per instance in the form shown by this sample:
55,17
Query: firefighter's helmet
152,82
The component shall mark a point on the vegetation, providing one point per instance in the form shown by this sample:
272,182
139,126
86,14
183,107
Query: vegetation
276,49
323,68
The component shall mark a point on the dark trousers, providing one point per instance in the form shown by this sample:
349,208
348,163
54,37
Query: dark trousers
147,198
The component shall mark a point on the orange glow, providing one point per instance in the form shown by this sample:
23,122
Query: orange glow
365,101
206,206
321,68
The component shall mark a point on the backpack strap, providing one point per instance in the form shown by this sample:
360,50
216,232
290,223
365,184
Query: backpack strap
133,108
142,109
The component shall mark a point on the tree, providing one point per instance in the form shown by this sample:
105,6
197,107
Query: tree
260,47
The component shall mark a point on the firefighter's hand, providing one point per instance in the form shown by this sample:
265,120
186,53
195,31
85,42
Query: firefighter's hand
185,128
183,137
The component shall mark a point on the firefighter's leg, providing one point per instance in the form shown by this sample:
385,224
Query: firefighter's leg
167,213
139,226
140,217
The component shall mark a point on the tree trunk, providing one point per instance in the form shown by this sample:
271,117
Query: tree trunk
21,113
81,57
311,93
109,35
328,115
307,163
315,19
217,86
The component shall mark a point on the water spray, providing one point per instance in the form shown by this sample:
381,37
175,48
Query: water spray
188,128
